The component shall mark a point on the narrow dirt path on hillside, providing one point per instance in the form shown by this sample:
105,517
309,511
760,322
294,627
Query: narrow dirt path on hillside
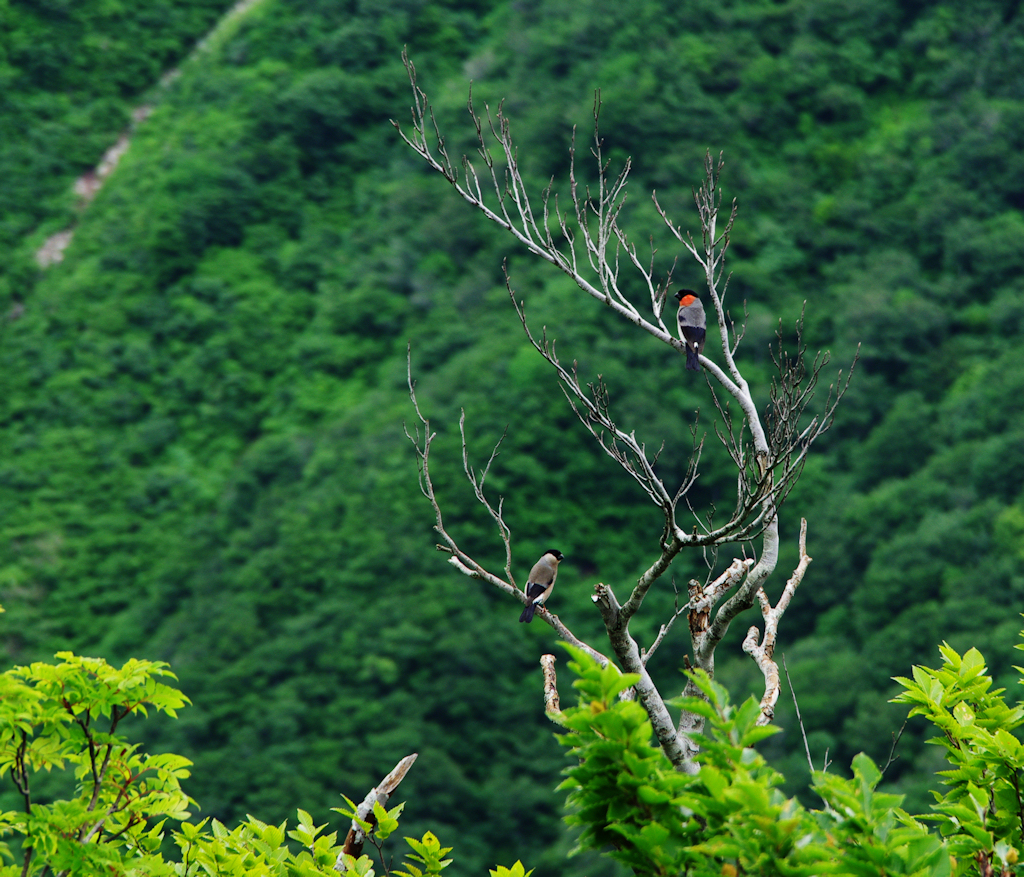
87,185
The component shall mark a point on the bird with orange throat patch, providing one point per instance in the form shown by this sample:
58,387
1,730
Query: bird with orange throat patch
692,326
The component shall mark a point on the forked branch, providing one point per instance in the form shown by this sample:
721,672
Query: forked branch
763,652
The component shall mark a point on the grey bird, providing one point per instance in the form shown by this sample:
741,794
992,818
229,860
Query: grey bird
692,326
541,581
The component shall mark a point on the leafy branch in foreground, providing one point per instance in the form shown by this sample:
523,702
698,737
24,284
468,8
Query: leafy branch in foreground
50,719
587,242
625,795
730,817
982,813
69,714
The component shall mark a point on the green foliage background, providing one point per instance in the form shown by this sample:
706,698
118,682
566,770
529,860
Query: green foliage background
202,458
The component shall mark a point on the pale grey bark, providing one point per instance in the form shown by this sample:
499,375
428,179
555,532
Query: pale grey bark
762,649
379,794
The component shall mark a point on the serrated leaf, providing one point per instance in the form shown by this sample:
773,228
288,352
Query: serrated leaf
963,714
650,795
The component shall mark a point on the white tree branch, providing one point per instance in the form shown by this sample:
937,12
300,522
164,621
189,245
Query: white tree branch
380,793
763,653
552,707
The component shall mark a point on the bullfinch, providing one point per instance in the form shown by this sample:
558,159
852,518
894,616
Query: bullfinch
692,326
541,581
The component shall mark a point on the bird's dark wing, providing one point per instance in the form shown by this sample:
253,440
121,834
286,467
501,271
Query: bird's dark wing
535,589
694,334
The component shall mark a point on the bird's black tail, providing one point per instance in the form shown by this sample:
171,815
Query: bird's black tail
692,363
527,615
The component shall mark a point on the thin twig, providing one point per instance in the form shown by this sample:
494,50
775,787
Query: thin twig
892,750
677,610
799,718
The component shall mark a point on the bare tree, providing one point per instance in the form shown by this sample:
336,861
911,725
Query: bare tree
586,241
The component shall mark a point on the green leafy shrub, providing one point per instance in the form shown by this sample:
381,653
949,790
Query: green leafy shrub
982,813
728,817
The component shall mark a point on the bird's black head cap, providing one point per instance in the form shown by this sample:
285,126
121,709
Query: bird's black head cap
684,292
555,552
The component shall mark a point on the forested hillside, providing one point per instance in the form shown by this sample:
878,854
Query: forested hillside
202,456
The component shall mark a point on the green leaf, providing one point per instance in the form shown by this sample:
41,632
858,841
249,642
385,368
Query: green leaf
650,795
516,870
